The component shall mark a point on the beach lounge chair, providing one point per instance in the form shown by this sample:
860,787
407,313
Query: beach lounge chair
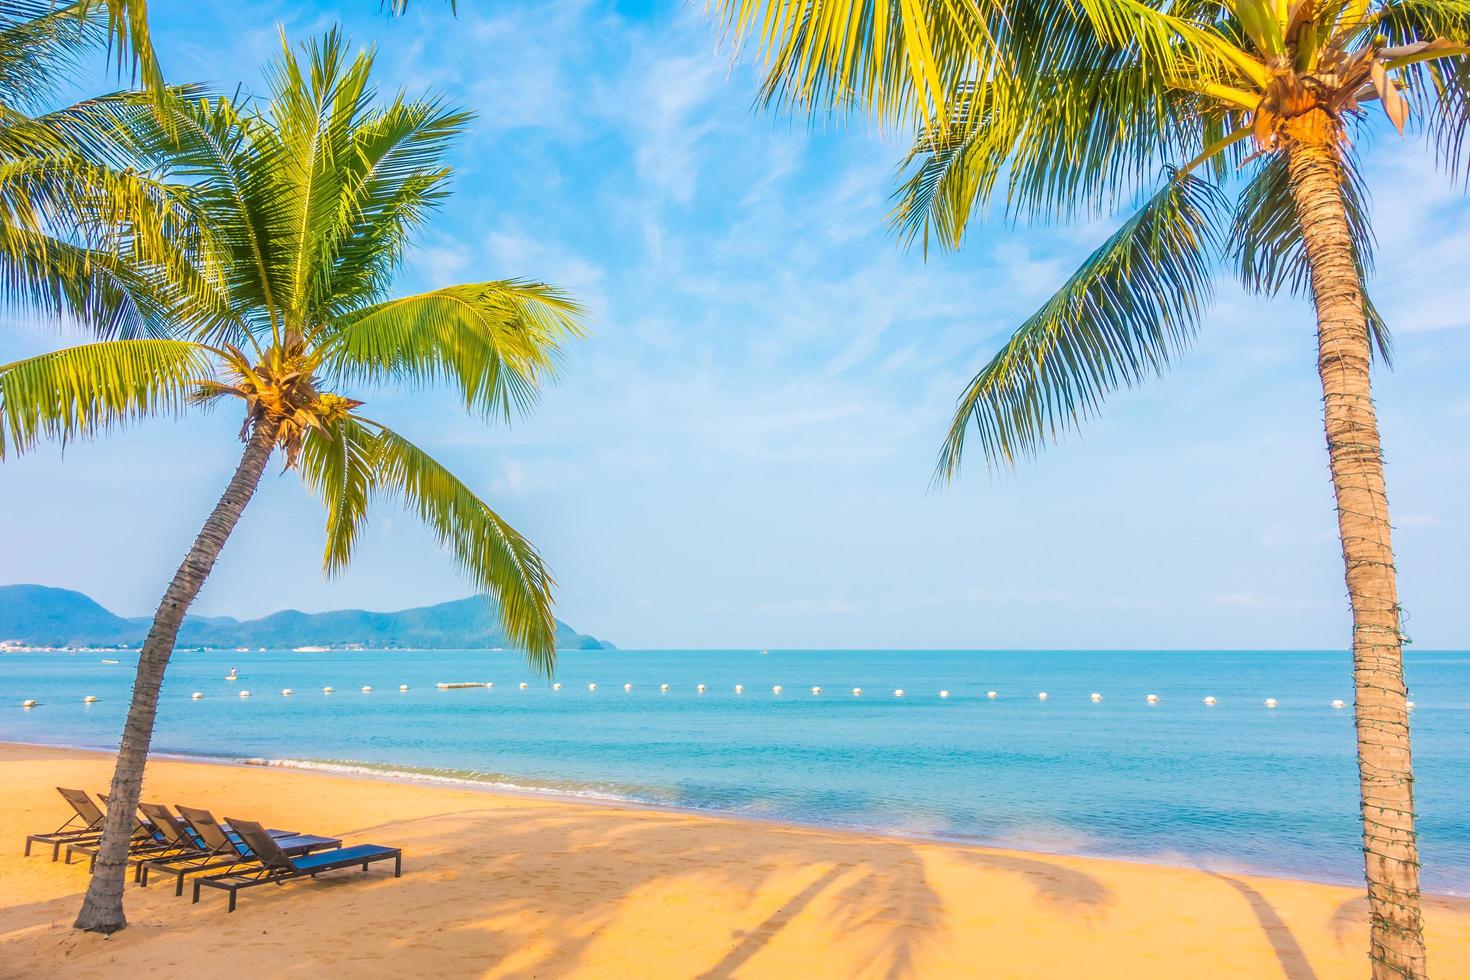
276,866
189,848
147,839
85,823
161,837
225,848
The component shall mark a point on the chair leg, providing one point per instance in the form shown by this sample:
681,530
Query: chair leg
233,893
179,887
398,866
28,847
196,889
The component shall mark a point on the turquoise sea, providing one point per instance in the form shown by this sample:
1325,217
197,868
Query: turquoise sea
1235,786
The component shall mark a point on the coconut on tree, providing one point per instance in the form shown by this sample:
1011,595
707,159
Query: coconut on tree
310,197
1250,109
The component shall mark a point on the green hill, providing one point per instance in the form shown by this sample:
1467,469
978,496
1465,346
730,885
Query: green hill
35,615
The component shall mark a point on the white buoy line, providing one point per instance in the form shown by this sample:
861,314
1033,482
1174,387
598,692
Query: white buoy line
777,690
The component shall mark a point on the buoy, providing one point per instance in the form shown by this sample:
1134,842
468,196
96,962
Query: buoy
556,686
1041,696
1095,697
663,689
524,685
591,687
328,690
90,699
898,693
1152,699
628,688
816,691
1270,702
699,688
776,689
367,689
285,692
244,694
196,696
739,688
857,692
402,687
1409,705
1210,699
944,694
1338,703
991,695
29,703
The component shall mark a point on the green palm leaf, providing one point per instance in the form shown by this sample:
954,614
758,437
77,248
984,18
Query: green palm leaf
1122,316
58,280
491,553
86,390
496,342
40,43
339,463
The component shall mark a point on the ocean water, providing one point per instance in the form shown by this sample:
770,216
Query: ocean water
1236,786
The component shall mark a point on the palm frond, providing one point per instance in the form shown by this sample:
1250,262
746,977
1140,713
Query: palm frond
41,42
497,560
126,24
338,462
496,342
898,58
1266,238
391,180
214,148
80,392
60,281
1438,90
1130,308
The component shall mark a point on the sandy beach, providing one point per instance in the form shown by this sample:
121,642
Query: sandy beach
504,886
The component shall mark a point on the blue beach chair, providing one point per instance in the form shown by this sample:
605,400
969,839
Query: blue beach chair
276,866
221,847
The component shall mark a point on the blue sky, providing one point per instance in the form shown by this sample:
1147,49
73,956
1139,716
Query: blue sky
740,454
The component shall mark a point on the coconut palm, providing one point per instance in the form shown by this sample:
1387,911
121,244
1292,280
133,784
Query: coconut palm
1062,109
311,196
82,234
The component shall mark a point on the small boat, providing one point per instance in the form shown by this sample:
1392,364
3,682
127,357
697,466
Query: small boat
109,661
233,675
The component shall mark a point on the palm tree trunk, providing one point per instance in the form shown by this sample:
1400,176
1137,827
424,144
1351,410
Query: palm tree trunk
1385,772
102,909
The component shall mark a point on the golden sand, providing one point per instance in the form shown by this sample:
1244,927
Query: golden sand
505,886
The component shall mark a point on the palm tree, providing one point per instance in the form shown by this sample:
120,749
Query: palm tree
310,197
1060,109
82,234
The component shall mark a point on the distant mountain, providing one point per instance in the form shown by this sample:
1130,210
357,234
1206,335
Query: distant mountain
35,615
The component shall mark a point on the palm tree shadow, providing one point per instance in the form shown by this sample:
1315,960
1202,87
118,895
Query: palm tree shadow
1289,953
756,939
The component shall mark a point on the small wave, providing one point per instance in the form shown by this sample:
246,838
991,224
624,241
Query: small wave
464,778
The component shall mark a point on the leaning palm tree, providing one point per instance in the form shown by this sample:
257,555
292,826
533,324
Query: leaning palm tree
83,235
1066,108
310,196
